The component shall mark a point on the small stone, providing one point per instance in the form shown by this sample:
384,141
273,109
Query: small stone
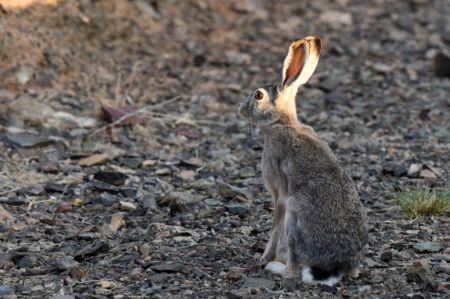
27,261
386,256
105,199
148,163
215,165
187,175
259,283
193,161
336,18
127,206
66,263
429,286
24,74
238,294
159,277
394,168
428,175
149,202
370,263
53,187
5,290
168,267
427,247
26,140
417,272
113,178
237,209
111,228
94,160
289,284
376,278
414,170
443,267
235,57
144,250
441,65
329,289
202,184
106,284
229,191
247,172
235,272
62,297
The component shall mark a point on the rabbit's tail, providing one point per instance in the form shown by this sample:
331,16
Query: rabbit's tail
318,275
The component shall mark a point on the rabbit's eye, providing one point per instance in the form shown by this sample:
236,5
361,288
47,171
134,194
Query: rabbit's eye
258,95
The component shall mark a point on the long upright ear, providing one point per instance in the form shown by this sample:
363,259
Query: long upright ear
299,65
300,62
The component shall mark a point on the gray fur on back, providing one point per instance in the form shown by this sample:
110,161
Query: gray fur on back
326,222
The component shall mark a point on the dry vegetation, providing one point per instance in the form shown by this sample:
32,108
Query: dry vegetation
424,202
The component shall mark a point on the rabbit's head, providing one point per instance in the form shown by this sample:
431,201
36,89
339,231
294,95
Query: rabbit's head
266,105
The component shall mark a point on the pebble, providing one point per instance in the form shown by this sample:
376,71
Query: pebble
237,209
27,261
105,199
427,247
149,202
247,172
127,206
167,267
414,170
417,272
258,282
5,290
386,256
394,168
66,263
62,297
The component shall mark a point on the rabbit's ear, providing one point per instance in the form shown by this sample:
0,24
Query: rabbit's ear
300,62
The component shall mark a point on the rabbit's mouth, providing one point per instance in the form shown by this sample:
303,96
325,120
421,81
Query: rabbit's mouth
243,110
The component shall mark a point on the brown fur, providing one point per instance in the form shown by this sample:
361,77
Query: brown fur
318,220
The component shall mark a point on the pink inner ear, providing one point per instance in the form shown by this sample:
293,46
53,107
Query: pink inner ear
296,65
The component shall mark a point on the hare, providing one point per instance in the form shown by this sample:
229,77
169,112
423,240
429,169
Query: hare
319,223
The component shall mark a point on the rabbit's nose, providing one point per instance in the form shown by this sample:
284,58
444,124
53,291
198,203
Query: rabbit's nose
242,110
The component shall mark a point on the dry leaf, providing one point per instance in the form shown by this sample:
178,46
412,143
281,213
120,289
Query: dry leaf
64,207
148,163
5,215
94,160
116,222
113,115
106,284
77,202
127,206
111,228
187,175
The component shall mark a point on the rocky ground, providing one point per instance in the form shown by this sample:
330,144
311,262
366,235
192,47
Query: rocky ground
169,202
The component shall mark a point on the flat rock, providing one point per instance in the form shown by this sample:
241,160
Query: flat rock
258,283
62,297
26,140
237,209
167,267
113,178
5,290
417,272
427,247
66,263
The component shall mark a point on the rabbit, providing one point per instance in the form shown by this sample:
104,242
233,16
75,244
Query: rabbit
319,223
